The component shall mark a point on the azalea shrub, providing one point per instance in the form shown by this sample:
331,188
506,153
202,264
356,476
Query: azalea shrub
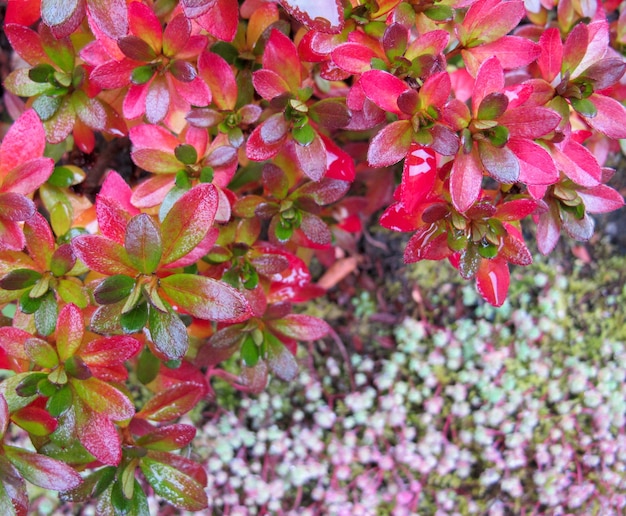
262,135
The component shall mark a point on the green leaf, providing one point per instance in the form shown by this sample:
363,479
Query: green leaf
29,305
135,320
304,135
42,353
60,401
584,106
41,73
143,243
249,351
175,486
46,315
72,292
92,487
440,13
27,386
19,279
47,106
62,260
186,154
147,366
492,106
142,74
168,333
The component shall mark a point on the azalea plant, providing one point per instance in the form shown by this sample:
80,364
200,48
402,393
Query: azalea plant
262,134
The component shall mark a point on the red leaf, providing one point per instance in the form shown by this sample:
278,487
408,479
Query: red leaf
575,47
512,52
206,298
24,141
353,57
529,122
103,398
536,165
11,235
301,327
167,438
113,74
221,19
490,79
489,20
39,240
27,177
516,209
492,281
176,35
172,403
15,207
339,163
98,435
43,471
321,15
219,77
35,420
383,89
390,144
396,218
465,180
152,191
188,222
145,24
112,218
103,255
551,56
428,243
110,350
27,43
70,331
269,84
418,176
24,12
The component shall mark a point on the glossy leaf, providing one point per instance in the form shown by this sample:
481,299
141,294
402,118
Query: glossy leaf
168,334
103,255
143,243
492,281
206,298
172,403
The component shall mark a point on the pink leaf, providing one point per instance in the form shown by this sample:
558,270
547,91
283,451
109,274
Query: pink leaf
221,19
256,147
465,180
516,209
70,331
147,136
24,141
62,21
529,122
578,164
321,15
312,158
353,57
390,144
219,77
144,24
436,90
536,165
26,178
418,176
113,74
610,116
269,84
98,435
157,100
102,255
548,229
188,221
512,51
551,56
111,16
281,57
15,207
301,327
157,161
492,281
397,218
40,242
11,235
383,89
42,470
152,191
134,104
601,199
176,35
490,79
196,92
489,20
116,188
27,43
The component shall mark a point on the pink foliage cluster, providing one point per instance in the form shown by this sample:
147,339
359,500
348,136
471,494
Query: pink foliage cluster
265,133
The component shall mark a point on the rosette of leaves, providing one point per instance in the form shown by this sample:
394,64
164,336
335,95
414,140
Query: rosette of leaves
293,212
140,255
77,374
43,277
18,466
147,458
280,82
61,93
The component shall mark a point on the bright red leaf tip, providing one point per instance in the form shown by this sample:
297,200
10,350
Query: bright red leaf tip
321,15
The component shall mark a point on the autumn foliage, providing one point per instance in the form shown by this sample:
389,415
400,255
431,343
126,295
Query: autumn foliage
266,133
